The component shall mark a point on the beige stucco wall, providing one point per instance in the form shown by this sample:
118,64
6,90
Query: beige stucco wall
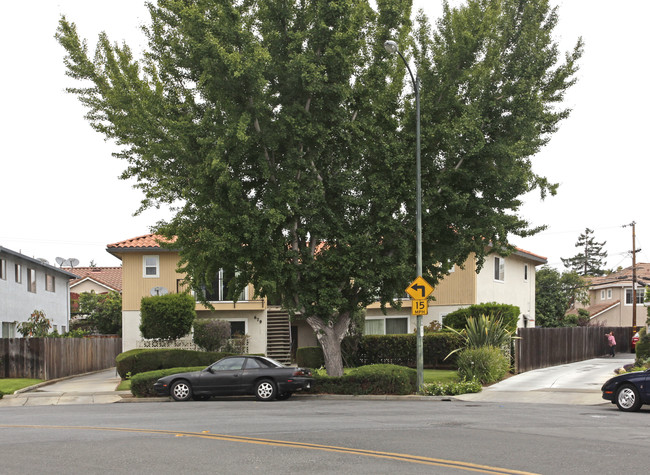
621,314
90,286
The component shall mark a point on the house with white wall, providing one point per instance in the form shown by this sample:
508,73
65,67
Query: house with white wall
505,280
28,284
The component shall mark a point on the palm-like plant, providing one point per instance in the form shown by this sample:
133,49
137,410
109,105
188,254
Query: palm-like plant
483,331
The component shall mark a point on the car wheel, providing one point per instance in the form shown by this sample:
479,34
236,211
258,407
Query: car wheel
284,396
627,399
265,390
181,390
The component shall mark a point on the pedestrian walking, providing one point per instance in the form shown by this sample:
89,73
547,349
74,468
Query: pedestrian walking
612,343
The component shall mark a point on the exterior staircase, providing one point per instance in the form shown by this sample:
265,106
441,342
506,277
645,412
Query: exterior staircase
278,335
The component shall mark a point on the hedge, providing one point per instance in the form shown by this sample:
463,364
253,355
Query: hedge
141,360
401,349
509,314
372,379
142,383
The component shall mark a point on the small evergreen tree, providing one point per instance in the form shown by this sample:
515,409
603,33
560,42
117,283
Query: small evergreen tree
211,335
168,317
592,258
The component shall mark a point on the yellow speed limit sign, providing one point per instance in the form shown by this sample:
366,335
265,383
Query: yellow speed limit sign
419,307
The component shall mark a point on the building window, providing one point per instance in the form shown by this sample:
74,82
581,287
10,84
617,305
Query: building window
609,294
499,269
602,295
237,327
49,282
386,326
3,269
220,290
151,266
629,296
526,272
19,274
31,280
8,330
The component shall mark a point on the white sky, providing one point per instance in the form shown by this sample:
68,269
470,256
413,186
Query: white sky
62,196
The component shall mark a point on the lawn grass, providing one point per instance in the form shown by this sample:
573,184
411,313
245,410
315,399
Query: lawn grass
9,385
440,376
125,385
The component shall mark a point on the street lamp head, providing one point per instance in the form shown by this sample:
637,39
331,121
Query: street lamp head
391,46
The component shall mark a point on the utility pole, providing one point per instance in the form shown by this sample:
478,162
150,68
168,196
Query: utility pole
634,251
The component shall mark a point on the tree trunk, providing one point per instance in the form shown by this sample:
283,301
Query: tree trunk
330,336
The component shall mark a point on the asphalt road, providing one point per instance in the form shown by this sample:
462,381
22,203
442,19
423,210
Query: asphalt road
246,436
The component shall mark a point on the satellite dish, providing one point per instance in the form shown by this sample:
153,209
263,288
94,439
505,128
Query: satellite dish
73,261
156,291
43,260
61,261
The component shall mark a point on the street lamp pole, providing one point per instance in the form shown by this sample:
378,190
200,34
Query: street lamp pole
392,48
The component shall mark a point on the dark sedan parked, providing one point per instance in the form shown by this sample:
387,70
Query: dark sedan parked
262,377
628,391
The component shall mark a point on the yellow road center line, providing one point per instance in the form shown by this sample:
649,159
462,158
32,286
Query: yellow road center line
300,445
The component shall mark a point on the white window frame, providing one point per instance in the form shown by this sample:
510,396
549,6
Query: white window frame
609,294
640,294
146,266
18,268
602,294
499,269
245,320
525,272
3,269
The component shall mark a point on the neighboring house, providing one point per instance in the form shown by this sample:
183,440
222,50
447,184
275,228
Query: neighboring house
28,284
507,280
611,299
149,269
100,280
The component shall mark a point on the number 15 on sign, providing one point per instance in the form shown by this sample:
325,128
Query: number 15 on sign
419,307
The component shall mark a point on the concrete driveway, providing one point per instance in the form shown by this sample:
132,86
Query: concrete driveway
573,383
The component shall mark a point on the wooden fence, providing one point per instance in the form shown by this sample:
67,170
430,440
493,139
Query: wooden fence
543,347
51,358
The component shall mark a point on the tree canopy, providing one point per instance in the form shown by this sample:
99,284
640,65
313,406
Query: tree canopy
283,133
592,258
555,293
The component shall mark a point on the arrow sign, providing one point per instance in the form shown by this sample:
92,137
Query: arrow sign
419,289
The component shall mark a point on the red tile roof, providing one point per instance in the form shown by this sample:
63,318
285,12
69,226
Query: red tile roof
623,276
109,276
148,241
596,309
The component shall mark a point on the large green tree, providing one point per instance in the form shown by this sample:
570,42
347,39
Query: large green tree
591,259
283,133
103,311
555,293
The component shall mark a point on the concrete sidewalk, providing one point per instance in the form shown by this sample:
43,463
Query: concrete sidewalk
574,383
93,388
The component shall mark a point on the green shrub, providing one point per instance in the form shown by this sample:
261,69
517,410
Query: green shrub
486,364
508,314
212,334
310,357
401,350
453,388
372,379
146,359
167,317
142,384
643,346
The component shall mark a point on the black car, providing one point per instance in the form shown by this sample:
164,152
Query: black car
628,391
260,376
